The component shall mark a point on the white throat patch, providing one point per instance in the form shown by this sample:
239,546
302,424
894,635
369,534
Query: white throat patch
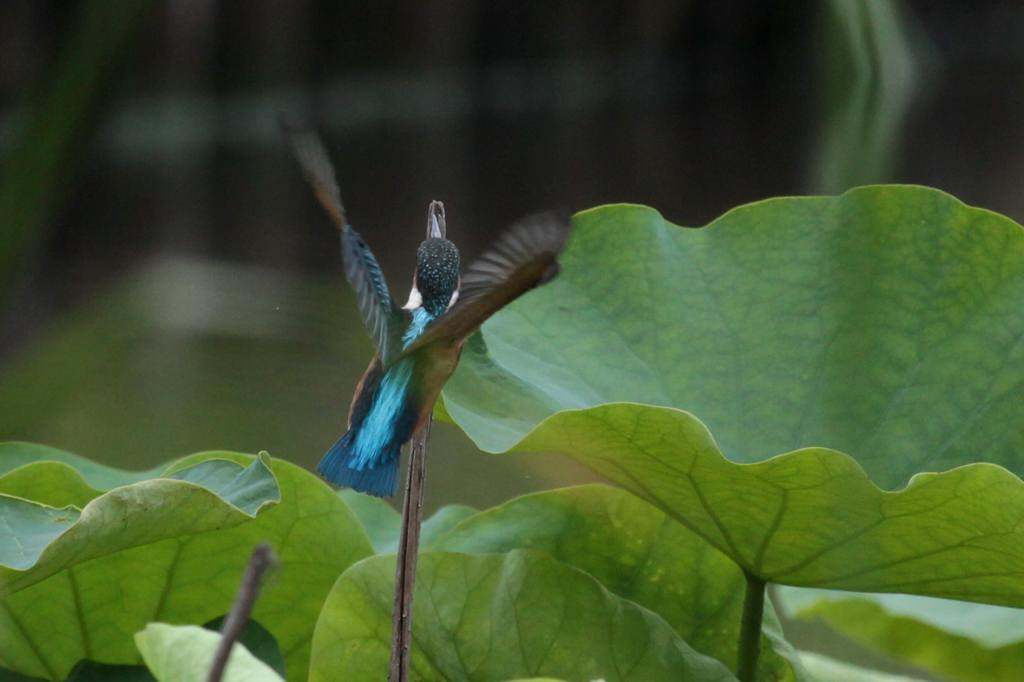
415,300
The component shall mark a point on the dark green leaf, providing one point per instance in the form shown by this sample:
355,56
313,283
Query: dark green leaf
810,517
43,540
92,609
492,617
885,323
637,552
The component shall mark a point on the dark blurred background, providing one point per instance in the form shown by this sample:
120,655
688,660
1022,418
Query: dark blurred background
168,284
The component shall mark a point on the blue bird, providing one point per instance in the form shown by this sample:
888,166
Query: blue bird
418,344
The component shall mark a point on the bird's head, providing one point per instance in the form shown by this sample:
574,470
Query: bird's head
437,274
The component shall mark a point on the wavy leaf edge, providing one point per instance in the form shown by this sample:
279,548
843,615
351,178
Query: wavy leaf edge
89,511
915,480
854,475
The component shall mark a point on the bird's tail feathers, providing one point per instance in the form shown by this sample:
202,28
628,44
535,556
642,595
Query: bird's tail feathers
380,479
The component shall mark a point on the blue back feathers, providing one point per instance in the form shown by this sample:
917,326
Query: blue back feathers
366,458
380,480
420,319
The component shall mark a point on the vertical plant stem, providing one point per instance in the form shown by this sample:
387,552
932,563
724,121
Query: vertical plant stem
262,558
408,549
750,629
412,518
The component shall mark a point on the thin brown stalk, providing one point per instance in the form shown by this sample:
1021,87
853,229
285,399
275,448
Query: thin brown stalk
262,558
408,549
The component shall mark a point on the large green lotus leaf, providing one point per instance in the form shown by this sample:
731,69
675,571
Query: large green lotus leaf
14,454
885,323
41,540
810,517
499,616
183,653
954,640
92,609
637,552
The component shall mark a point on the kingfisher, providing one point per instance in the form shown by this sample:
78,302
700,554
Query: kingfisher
417,344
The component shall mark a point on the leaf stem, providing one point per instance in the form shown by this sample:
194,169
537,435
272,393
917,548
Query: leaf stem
750,629
408,549
262,558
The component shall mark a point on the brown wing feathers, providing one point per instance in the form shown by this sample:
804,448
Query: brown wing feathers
381,316
316,166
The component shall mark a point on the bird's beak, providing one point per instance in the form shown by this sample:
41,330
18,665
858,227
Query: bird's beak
435,220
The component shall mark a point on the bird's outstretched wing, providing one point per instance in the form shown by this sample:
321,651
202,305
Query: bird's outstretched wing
523,257
381,315
383,318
